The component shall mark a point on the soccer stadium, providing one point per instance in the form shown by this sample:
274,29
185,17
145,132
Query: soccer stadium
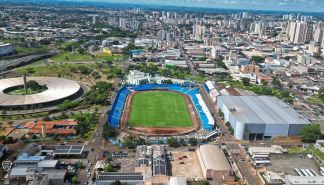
160,109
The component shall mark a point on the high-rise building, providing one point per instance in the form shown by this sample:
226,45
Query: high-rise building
318,35
297,32
122,23
214,52
198,31
309,32
94,19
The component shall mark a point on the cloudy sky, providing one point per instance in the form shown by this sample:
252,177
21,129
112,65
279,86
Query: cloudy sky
289,5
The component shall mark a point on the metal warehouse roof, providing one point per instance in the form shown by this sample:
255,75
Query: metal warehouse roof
214,158
261,110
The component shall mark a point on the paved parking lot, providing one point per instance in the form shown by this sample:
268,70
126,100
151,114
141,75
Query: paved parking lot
287,163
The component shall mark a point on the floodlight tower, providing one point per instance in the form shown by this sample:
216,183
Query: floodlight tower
25,82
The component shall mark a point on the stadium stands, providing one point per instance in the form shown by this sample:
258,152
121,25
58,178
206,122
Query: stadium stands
118,106
201,108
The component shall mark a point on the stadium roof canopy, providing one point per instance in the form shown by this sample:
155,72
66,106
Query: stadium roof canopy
57,89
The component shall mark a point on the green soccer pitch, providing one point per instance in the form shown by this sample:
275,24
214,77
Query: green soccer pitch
159,109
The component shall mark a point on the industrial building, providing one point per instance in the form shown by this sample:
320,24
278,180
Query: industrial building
6,49
260,117
213,162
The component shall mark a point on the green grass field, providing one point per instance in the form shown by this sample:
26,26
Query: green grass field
159,109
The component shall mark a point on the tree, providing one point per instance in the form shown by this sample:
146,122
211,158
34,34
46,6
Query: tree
109,131
264,82
4,113
193,142
74,180
109,168
117,182
168,81
310,133
173,142
257,59
321,93
246,81
276,82
33,85
290,85
9,140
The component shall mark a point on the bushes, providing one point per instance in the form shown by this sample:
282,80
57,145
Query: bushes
86,120
131,142
173,142
310,133
67,104
109,131
98,93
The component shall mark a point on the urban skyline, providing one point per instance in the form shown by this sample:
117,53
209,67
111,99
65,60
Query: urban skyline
270,5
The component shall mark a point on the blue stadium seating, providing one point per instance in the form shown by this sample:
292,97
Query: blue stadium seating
117,108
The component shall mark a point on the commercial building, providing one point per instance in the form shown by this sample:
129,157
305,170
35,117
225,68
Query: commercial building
198,31
213,162
57,127
260,117
136,78
6,49
105,178
36,170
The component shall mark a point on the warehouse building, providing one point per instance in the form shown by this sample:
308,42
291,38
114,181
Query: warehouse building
6,49
213,162
260,117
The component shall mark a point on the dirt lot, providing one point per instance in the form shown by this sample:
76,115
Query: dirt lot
287,163
191,167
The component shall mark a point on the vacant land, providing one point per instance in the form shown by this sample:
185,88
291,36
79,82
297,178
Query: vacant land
71,57
185,164
159,109
315,100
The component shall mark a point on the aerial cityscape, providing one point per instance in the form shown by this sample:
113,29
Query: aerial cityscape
161,92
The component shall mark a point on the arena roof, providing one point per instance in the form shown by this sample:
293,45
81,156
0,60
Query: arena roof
57,89
261,110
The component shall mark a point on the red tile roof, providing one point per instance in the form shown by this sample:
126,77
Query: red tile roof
67,127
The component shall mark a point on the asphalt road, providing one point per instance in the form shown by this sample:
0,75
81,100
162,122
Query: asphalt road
232,145
7,64
98,143
188,61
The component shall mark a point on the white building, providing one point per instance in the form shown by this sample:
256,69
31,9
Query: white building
136,78
297,31
214,52
260,117
198,32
